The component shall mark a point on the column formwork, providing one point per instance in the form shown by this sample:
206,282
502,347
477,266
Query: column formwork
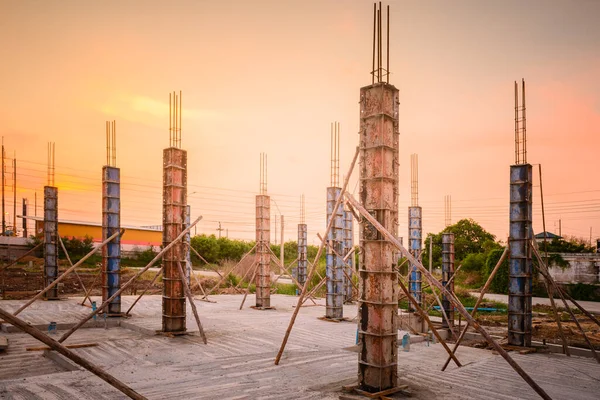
302,253
348,245
263,255
174,216
415,234
111,224
520,260
50,240
378,297
334,271
447,273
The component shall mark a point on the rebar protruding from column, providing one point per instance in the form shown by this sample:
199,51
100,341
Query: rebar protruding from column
378,288
174,215
51,168
335,155
334,269
520,126
263,256
447,272
175,119
520,256
447,210
263,174
111,143
348,245
50,240
378,72
414,180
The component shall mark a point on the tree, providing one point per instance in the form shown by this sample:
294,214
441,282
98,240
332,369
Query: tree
570,245
469,238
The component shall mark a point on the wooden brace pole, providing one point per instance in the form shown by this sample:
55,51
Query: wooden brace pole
188,293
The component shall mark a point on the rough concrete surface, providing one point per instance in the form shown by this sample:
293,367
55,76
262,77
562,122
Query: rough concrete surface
237,363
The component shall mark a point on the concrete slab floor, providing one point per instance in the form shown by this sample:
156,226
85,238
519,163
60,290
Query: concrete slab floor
237,363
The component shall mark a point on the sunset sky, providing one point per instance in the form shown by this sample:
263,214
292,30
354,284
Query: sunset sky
270,76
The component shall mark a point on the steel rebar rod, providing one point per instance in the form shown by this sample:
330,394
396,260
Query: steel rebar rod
71,355
130,281
148,286
190,297
432,281
478,302
317,256
71,264
414,302
67,272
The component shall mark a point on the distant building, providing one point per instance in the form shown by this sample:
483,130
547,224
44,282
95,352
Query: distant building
549,237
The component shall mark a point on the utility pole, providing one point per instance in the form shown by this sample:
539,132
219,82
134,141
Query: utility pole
559,228
220,229
25,218
590,236
15,195
281,245
275,219
430,254
3,215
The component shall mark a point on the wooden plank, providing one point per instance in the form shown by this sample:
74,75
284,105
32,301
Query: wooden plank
3,343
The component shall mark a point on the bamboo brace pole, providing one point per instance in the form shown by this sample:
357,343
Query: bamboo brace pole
150,284
188,293
314,267
30,251
479,300
129,282
451,297
225,275
255,265
53,344
64,249
67,272
426,318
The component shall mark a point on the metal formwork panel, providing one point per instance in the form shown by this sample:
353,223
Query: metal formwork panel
302,253
111,223
520,263
174,215
447,272
378,298
334,305
50,240
415,233
348,244
263,256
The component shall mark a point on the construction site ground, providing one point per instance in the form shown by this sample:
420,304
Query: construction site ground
238,361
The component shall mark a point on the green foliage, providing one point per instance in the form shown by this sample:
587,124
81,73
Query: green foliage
285,288
232,280
474,262
145,256
469,238
77,248
582,291
215,250
500,282
571,245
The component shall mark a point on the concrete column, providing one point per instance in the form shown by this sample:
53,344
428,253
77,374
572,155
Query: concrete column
520,263
263,256
174,214
415,233
50,240
378,298
348,245
447,273
111,223
335,265
302,253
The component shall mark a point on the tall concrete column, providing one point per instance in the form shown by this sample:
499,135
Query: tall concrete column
50,240
263,255
334,263
447,273
415,233
111,224
520,262
302,253
348,245
174,215
378,298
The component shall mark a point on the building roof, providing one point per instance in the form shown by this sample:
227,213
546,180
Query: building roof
549,235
